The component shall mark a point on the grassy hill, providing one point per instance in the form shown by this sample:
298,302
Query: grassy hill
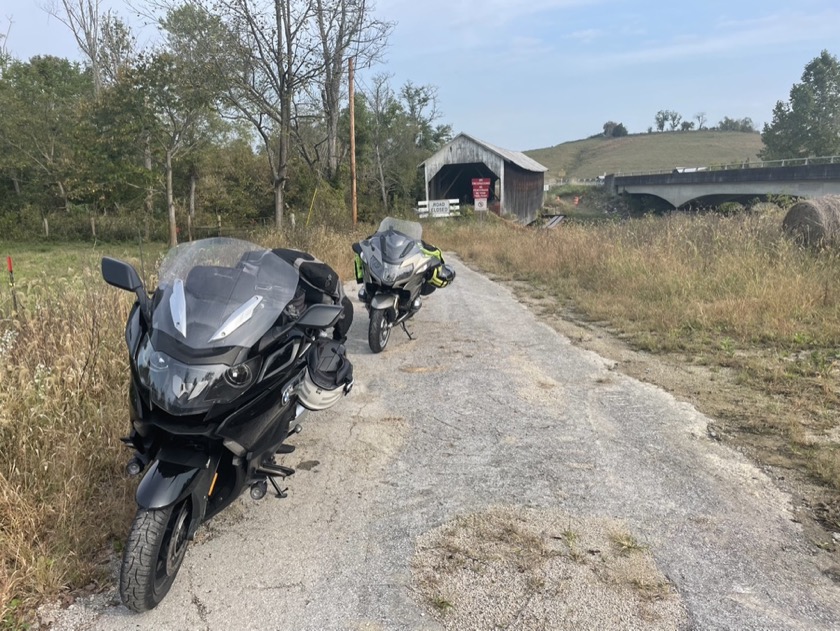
646,152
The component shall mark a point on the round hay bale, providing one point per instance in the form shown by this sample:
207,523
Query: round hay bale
814,222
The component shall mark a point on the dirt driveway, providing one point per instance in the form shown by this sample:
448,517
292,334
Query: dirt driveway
491,475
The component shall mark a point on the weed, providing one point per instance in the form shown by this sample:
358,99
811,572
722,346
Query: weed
441,604
626,543
651,590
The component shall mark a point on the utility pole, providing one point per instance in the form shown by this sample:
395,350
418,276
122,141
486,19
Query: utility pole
352,144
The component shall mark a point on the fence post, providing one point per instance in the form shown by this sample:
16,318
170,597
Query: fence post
219,219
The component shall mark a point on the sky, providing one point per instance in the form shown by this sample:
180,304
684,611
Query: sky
530,74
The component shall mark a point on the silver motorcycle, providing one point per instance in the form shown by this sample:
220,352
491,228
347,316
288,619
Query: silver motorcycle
397,268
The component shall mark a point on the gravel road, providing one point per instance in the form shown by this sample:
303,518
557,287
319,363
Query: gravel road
422,496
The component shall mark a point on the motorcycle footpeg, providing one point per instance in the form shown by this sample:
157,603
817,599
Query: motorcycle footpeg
297,429
275,470
285,449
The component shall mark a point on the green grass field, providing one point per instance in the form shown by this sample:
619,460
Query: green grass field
646,152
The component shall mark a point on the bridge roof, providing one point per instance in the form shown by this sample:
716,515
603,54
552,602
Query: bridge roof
516,157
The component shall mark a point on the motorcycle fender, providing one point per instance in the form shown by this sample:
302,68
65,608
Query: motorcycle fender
384,301
167,483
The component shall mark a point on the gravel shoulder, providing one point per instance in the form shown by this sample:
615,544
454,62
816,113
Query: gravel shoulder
492,474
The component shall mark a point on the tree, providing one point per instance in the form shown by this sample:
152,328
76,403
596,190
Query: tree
674,119
346,29
809,124
669,117
263,59
661,118
117,48
177,104
700,117
402,134
84,20
41,101
736,124
614,130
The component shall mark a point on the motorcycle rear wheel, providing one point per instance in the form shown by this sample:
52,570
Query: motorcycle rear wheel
379,330
153,555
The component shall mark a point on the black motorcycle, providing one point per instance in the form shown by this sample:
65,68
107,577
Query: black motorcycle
225,361
397,268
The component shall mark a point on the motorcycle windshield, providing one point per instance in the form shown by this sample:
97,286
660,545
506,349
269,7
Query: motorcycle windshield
411,229
217,293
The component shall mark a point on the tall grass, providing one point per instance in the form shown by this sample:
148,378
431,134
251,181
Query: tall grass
62,390
681,279
65,502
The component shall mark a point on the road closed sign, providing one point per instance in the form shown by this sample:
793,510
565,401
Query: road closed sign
439,207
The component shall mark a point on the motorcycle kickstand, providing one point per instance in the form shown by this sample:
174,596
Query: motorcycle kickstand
402,324
281,493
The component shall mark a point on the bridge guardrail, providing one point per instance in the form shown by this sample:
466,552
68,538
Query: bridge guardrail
746,164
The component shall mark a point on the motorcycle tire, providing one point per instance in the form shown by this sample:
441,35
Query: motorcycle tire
153,555
379,330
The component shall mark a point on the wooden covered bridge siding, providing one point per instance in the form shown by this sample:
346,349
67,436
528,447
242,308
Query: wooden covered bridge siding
516,181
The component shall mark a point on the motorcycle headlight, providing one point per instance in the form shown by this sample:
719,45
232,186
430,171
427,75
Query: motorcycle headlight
181,388
395,273
235,380
239,376
376,266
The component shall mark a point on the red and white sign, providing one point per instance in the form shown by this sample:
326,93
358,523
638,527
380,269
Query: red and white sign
481,187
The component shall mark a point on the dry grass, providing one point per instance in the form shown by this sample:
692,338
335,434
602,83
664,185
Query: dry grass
64,499
62,411
522,568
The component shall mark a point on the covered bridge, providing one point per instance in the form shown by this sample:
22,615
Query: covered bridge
516,181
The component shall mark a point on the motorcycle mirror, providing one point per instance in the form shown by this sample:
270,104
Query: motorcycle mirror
123,276
120,274
320,316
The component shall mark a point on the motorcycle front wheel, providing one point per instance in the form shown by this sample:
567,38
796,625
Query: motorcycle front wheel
379,330
153,555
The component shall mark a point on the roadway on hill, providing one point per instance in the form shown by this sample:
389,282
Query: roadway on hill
490,474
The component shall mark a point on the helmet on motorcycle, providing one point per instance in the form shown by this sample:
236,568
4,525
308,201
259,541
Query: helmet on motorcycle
329,375
442,275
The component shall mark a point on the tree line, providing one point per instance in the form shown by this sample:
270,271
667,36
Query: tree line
240,109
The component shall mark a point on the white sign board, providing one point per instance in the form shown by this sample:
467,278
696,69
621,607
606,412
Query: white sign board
439,208
481,204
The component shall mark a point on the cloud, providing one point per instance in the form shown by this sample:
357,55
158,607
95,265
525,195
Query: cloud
732,37
585,36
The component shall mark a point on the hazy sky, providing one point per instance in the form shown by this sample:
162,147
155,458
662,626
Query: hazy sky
530,74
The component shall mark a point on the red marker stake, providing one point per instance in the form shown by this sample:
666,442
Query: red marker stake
12,281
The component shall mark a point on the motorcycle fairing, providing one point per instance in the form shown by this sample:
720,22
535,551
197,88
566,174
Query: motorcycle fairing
210,289
216,299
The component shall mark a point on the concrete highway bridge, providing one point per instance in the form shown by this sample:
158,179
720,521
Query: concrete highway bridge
807,177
